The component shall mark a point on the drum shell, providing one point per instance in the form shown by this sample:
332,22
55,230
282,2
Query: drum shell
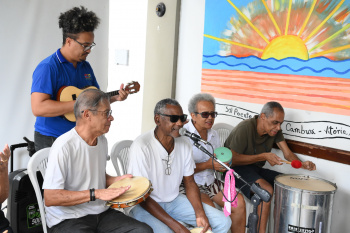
299,210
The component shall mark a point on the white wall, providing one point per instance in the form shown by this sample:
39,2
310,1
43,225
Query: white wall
188,84
151,42
30,33
127,31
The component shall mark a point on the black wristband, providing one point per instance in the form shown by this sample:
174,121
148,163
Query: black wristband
92,195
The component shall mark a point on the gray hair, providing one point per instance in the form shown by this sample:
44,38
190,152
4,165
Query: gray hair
161,105
269,107
192,105
89,99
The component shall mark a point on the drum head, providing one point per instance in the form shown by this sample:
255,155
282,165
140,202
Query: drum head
139,186
199,229
305,183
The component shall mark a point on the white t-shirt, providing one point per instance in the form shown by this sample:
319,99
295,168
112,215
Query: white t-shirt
76,166
206,176
147,159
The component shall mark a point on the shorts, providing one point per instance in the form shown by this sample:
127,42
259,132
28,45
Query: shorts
252,173
211,190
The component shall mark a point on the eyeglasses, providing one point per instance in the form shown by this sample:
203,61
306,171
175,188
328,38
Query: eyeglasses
86,47
168,168
207,114
175,118
107,113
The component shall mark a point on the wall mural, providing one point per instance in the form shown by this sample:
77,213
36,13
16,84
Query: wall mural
296,52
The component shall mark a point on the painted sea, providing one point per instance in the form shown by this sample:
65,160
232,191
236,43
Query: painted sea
318,84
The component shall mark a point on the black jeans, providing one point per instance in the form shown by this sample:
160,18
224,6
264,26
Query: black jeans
42,141
110,221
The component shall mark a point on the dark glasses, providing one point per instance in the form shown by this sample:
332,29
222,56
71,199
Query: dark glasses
175,118
207,114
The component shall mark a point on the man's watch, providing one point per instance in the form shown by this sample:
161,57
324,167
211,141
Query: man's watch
92,194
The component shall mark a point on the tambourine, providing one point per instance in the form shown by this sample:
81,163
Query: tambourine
140,189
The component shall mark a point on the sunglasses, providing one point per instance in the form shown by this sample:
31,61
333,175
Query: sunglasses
175,118
207,114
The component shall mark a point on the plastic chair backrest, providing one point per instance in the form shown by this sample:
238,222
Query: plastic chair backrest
39,162
119,156
223,130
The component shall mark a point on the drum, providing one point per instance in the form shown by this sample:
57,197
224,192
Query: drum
223,154
140,189
303,204
199,230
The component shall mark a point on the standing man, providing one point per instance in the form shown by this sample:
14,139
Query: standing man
251,142
165,158
75,181
66,67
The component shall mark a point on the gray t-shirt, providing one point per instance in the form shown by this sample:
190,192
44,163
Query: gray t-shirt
244,139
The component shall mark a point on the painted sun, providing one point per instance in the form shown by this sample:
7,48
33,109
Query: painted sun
285,28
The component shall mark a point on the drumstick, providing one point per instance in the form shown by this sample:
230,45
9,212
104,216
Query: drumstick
295,163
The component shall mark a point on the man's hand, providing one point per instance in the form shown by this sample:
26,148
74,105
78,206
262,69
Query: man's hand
4,156
121,96
111,193
203,222
273,159
308,165
4,159
217,166
122,177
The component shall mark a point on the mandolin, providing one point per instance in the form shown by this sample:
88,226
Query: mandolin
69,93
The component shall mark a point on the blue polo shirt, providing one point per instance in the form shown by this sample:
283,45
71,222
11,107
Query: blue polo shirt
49,76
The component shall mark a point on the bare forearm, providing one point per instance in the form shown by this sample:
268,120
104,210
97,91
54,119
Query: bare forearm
4,183
288,154
203,166
61,197
52,108
193,195
242,159
157,211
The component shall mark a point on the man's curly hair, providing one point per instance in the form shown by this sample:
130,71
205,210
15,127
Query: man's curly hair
77,20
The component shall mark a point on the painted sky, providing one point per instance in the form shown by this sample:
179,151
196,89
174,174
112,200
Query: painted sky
260,24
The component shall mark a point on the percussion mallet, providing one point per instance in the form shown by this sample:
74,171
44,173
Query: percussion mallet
295,163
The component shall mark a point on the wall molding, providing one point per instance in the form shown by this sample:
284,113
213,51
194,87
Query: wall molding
322,152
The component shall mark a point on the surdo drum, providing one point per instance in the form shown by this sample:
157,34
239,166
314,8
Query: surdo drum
303,204
140,189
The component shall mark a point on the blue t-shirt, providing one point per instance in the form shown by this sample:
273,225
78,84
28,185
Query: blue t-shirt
49,76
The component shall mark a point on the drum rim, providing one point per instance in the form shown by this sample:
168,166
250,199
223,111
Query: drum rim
136,198
132,200
305,190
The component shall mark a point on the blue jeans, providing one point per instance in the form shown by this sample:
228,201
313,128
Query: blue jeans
181,209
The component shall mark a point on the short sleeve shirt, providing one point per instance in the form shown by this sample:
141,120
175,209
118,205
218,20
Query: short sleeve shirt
148,158
205,177
74,165
49,76
244,139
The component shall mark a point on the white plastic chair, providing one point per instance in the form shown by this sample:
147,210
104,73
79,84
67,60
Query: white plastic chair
39,162
223,130
119,156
